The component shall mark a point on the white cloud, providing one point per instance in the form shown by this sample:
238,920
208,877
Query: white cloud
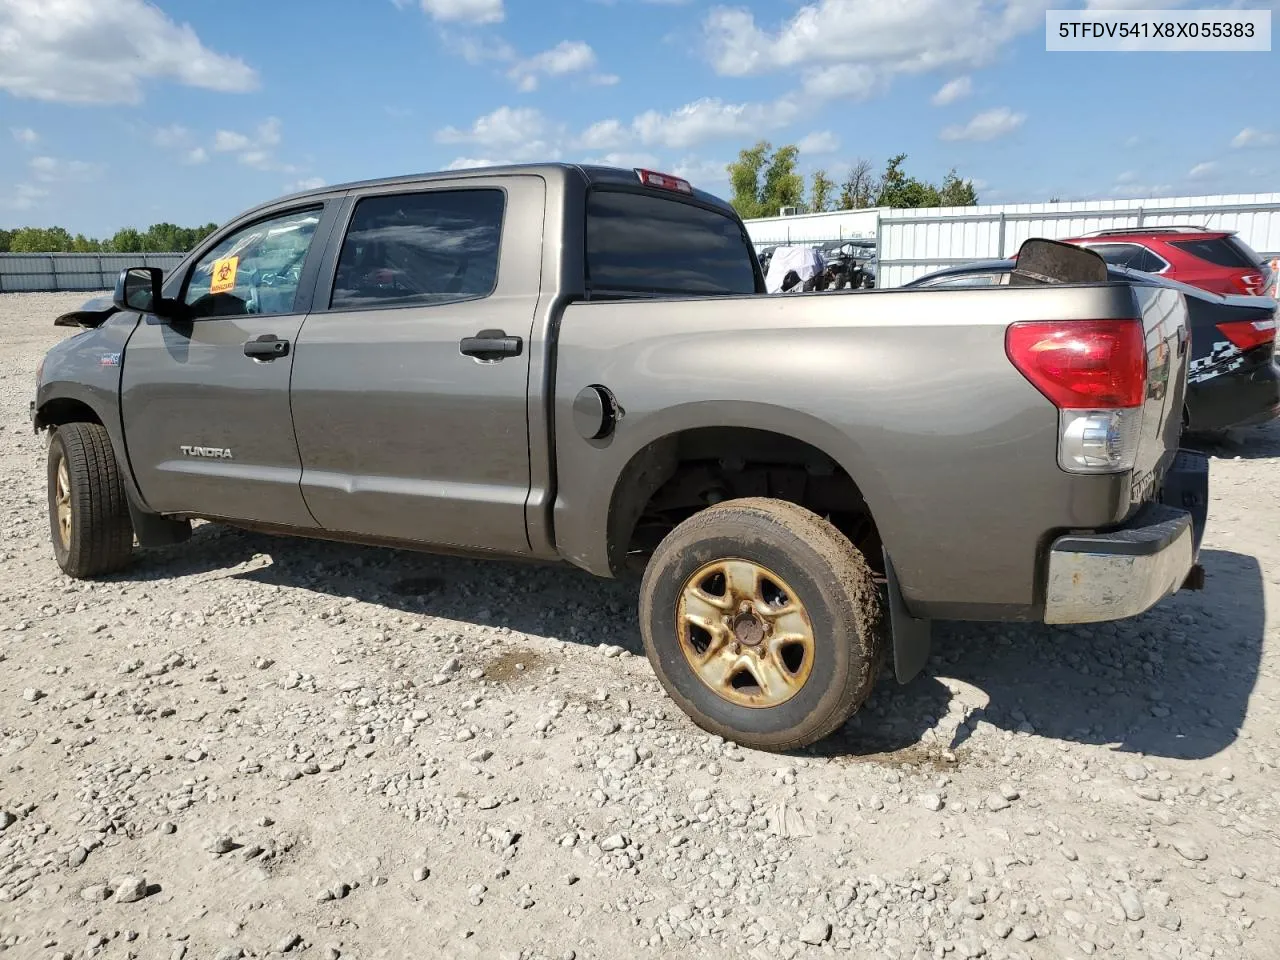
196,156
953,90
988,125
306,183
849,81
712,119
25,136
605,79
463,11
102,51
906,36
228,141
604,135
821,141
174,135
257,151
624,159
25,196
477,50
1252,137
53,170
568,56
506,125
467,163
1202,170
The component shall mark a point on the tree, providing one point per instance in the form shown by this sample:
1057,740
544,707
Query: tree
899,190
859,190
956,192
126,240
821,192
781,186
83,244
41,240
5,237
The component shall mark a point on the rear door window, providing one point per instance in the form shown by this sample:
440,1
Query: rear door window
1222,251
644,244
1129,255
430,247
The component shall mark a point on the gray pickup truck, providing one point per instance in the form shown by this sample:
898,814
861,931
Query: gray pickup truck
579,363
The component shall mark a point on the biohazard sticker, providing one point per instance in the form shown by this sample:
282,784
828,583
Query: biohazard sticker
224,275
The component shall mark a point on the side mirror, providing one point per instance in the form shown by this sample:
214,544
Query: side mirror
138,288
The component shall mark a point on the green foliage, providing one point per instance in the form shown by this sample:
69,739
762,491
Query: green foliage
859,189
956,192
899,190
158,238
782,186
821,192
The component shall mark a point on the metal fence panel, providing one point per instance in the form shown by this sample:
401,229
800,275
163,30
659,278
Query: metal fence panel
53,272
915,242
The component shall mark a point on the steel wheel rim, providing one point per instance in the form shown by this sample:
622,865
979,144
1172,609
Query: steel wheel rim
745,633
62,502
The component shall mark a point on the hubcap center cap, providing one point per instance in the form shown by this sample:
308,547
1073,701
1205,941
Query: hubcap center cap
748,630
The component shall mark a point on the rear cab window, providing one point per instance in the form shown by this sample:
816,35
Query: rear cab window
642,244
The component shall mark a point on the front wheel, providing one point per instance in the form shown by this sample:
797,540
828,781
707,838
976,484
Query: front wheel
763,622
88,513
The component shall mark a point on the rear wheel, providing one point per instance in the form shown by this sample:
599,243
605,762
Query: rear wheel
88,513
763,622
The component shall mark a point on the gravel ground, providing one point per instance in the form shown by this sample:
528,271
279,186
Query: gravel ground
250,746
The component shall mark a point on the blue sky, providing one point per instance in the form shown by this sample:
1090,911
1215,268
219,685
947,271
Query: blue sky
124,112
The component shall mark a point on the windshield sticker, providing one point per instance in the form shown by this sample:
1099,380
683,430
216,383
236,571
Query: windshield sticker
224,275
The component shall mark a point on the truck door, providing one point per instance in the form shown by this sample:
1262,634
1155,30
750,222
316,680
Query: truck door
205,399
410,385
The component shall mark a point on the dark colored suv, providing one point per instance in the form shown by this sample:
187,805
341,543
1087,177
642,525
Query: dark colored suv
1213,260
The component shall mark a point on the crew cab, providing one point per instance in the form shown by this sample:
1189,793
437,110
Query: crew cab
580,364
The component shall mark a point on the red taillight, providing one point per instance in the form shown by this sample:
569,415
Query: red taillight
1252,283
663,181
1247,334
1082,364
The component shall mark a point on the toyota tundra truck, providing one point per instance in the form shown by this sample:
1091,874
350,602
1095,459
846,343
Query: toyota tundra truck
580,364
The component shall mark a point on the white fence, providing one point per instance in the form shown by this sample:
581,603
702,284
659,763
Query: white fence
32,272
911,243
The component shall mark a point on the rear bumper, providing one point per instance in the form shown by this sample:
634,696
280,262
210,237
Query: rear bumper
1111,576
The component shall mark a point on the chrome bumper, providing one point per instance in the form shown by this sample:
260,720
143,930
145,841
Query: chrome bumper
1110,576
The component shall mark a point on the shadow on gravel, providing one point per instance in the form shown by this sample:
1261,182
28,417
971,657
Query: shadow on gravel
540,599
1173,683
1249,443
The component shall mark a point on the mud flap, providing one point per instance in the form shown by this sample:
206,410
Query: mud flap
912,638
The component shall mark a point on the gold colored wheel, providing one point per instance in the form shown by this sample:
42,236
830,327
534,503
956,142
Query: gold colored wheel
62,501
745,633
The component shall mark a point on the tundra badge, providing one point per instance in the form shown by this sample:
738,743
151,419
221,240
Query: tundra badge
212,453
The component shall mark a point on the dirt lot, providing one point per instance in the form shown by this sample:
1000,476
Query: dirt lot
249,746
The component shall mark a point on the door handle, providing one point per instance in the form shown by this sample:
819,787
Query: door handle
491,345
267,347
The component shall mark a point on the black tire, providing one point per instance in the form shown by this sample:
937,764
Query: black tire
100,536
826,574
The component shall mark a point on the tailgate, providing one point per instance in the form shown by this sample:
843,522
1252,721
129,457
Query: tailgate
1164,319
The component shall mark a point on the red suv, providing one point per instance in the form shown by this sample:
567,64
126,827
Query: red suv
1214,260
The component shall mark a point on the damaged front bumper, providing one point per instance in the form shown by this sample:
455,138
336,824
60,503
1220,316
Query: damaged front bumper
1110,576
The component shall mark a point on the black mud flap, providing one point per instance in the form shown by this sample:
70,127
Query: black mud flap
912,638
1186,487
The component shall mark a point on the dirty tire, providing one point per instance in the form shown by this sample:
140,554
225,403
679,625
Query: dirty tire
100,538
828,576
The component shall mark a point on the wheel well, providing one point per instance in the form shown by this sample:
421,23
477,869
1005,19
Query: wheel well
65,410
676,477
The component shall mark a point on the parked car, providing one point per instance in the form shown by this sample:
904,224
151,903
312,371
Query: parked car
579,363
1214,260
1234,377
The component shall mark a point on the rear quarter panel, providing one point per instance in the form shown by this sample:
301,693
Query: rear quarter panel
909,390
